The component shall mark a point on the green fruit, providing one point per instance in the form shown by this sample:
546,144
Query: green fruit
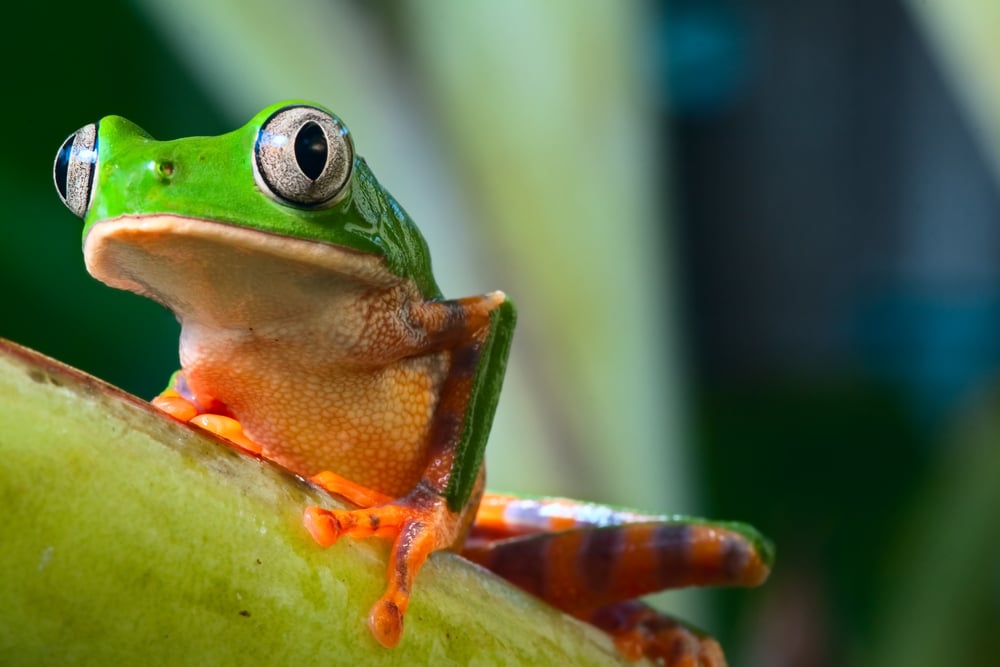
128,537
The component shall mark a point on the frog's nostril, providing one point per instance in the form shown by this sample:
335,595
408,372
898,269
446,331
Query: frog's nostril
164,170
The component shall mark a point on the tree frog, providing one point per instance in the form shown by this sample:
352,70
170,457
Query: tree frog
314,335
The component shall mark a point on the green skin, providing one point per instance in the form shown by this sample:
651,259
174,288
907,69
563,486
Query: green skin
223,189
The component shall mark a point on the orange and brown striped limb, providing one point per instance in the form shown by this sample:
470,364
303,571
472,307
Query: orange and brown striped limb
585,568
436,513
700,552
592,561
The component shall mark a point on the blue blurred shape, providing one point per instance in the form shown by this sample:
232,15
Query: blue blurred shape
703,56
941,347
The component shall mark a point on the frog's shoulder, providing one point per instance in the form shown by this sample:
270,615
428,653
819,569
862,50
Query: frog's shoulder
406,251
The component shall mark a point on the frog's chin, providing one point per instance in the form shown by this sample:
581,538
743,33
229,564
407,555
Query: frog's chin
227,273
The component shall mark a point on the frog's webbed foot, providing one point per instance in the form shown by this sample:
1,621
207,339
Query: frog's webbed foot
184,410
639,630
418,524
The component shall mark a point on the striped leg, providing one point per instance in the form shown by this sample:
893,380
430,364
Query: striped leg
591,561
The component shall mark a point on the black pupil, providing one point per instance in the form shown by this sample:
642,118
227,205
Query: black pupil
62,165
310,150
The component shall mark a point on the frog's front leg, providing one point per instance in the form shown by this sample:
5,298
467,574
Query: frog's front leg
437,512
419,524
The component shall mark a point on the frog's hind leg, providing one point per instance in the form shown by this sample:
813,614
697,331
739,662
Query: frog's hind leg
592,561
592,555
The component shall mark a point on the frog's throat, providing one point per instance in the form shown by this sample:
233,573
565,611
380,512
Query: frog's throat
185,263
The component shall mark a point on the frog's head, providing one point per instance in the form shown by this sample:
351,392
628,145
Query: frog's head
288,184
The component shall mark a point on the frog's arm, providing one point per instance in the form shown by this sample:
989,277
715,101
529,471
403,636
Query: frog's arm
481,404
476,331
592,560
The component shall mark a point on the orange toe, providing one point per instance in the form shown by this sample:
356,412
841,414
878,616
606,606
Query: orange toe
175,405
228,428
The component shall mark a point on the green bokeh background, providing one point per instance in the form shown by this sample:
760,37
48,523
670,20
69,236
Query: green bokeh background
48,300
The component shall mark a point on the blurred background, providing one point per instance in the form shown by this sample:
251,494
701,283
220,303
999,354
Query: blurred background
755,247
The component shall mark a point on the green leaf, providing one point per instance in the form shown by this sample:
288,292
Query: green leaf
128,536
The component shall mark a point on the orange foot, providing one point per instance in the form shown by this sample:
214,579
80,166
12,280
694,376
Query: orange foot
639,630
419,524
184,410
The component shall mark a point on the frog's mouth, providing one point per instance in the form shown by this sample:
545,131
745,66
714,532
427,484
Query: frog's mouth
227,273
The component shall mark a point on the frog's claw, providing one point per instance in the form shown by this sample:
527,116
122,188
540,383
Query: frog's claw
419,524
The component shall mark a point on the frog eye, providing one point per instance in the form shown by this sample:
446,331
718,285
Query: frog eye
303,156
74,169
